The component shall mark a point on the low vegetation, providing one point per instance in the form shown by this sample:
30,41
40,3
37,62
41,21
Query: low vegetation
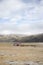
10,54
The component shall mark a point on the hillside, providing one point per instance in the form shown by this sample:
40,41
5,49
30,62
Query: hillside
33,38
21,38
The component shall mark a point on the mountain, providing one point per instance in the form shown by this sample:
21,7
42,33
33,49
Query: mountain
21,38
33,38
7,38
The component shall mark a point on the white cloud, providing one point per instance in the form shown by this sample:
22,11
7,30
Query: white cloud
9,6
21,17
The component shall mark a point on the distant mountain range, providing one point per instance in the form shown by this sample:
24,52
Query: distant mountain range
21,38
33,38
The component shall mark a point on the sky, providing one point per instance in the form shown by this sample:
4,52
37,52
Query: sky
21,16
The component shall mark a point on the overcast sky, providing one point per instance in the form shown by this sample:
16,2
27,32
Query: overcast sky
21,16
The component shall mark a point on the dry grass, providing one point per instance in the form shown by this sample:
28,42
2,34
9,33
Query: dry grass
8,52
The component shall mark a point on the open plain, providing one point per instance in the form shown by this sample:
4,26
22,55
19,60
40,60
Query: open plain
21,55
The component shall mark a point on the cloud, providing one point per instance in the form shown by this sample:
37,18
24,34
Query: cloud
7,7
22,28
21,16
31,1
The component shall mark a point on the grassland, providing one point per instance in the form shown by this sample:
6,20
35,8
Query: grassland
32,52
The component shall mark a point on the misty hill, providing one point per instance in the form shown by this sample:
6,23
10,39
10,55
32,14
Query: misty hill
21,38
7,38
33,38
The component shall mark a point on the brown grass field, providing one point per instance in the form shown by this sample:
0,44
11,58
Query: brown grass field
8,52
